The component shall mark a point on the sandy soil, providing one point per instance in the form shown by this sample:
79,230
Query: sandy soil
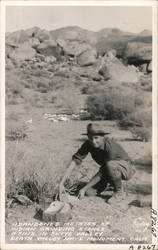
125,223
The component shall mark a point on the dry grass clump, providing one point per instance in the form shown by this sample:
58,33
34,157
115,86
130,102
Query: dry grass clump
30,172
16,132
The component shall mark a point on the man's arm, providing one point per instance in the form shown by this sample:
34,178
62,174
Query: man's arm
76,160
95,179
70,167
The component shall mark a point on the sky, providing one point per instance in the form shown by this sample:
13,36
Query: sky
131,18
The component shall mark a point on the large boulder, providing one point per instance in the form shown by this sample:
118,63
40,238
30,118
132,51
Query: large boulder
143,67
16,38
87,58
73,48
149,67
23,52
33,42
138,52
113,69
49,48
42,35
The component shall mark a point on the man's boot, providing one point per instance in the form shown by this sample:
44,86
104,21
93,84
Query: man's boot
119,194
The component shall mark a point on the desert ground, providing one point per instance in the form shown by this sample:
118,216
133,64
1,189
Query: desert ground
46,153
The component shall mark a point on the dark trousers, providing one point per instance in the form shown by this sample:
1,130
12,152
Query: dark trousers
113,173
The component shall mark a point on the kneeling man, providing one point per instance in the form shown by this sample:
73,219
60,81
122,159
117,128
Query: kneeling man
114,164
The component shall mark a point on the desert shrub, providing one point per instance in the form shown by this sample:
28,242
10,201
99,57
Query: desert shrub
139,118
56,84
42,83
62,73
39,73
92,87
18,132
110,104
69,99
52,98
146,82
42,90
141,133
34,98
139,123
26,83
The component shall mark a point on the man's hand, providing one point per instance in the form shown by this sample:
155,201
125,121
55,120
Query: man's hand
82,193
61,188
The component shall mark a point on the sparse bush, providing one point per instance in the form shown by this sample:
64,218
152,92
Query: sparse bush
43,90
139,118
62,73
69,99
56,83
110,104
146,82
139,123
34,98
17,133
52,98
92,87
141,133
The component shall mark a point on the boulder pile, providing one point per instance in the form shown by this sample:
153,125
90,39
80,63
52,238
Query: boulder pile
113,69
74,45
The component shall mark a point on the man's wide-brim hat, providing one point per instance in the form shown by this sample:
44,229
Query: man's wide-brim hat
95,129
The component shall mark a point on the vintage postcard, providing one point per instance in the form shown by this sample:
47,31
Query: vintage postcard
79,125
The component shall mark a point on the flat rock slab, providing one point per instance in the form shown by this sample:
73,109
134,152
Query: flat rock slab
57,211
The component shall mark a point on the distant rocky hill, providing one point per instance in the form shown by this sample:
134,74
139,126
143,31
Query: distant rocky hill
80,45
75,33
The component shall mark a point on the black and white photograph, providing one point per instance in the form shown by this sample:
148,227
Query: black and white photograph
79,131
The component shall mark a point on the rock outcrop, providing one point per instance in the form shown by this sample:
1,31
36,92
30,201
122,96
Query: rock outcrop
138,52
149,67
49,48
112,68
87,58
143,67
23,52
42,35
73,48
33,42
